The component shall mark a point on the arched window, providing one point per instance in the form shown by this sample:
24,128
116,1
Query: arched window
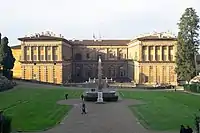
78,71
78,56
122,72
111,72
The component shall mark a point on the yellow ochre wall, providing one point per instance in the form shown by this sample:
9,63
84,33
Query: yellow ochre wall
17,67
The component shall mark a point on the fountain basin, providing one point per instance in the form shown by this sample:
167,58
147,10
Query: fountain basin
108,96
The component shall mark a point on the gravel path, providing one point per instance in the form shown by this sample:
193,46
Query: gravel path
101,118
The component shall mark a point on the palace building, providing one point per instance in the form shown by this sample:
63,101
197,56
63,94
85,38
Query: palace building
147,59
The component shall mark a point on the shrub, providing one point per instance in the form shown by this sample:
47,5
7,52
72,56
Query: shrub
6,84
6,127
192,87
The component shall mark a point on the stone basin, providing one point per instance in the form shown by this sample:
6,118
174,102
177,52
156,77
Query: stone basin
108,95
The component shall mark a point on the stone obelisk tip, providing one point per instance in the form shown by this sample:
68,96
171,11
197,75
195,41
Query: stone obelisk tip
99,58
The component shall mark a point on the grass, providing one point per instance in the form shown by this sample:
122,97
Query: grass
35,109
164,110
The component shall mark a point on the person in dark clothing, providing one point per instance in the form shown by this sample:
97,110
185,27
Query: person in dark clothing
182,130
66,96
189,130
82,97
83,108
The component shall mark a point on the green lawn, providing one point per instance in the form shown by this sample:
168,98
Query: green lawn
35,109
164,110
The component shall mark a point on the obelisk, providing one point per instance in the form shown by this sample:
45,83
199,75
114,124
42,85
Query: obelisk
99,87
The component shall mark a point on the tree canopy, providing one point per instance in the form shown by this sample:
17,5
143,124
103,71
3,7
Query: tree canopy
187,44
6,57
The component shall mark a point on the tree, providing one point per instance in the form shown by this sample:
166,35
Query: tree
6,57
2,51
187,45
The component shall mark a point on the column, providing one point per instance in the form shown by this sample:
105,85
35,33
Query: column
156,74
45,53
32,72
169,75
30,48
148,53
23,72
59,53
161,74
39,74
52,53
38,56
46,74
107,55
174,52
127,57
140,53
168,53
161,53
23,53
52,74
154,53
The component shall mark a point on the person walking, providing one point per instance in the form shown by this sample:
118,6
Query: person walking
83,108
189,130
182,130
66,96
82,97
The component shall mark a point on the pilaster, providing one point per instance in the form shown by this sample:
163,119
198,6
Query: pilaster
52,53
167,53
30,48
37,53
154,53
148,53
45,53
161,53
23,53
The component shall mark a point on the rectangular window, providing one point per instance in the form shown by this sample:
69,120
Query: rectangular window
151,48
55,57
27,57
151,57
41,48
48,57
171,48
164,57
48,48
144,57
111,55
158,57
87,55
34,48
171,57
34,57
54,48
125,56
41,57
144,48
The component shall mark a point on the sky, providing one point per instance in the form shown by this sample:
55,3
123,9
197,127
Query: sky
80,19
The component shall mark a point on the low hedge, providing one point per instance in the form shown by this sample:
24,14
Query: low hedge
5,125
192,87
